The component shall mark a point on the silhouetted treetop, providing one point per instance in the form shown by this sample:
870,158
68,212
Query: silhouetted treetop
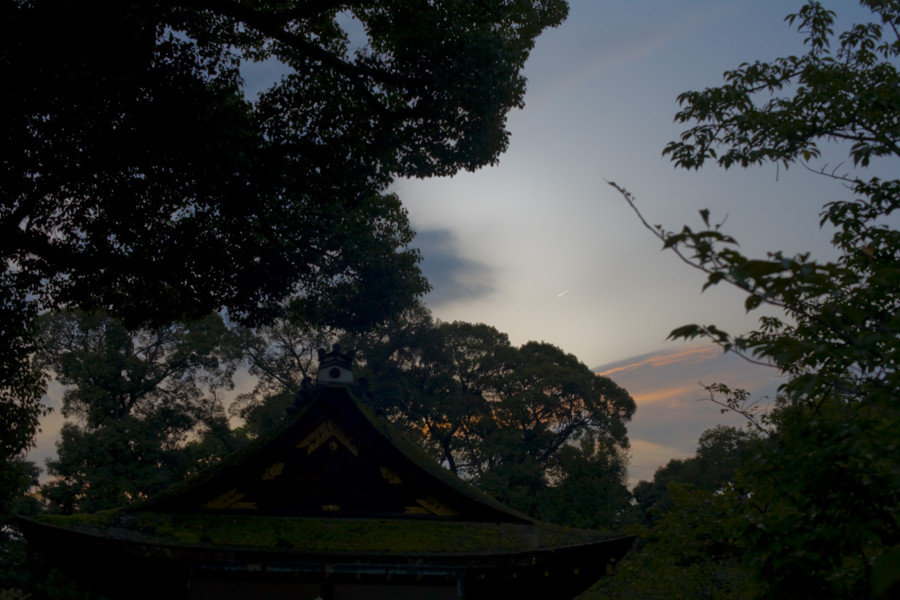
138,175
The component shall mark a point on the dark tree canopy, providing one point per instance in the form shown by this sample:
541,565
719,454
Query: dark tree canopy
137,176
133,398
688,520
280,356
532,425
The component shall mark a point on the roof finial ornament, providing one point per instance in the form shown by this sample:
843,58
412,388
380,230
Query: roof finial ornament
335,368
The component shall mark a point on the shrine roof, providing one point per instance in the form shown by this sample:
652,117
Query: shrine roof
333,457
335,480
319,537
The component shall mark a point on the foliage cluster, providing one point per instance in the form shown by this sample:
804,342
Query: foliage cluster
140,176
721,452
532,426
819,516
687,521
132,400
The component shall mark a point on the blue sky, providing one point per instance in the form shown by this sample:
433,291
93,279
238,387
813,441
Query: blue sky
543,249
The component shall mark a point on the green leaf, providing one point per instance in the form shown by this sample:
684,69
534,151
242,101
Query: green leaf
886,572
752,302
686,332
704,214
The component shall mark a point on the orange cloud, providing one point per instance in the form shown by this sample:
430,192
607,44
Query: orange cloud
693,354
666,394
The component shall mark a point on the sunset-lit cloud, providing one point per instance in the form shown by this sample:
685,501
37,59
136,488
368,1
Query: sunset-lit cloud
673,409
666,394
687,355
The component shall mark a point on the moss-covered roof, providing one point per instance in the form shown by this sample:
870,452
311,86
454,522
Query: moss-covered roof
365,457
354,537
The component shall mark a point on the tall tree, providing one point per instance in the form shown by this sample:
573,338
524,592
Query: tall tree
531,425
547,412
140,176
134,399
823,521
431,377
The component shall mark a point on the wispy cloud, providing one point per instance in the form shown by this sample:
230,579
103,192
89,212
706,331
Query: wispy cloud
617,44
690,355
452,275
667,387
666,394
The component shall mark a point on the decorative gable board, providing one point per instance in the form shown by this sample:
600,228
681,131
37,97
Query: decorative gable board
333,461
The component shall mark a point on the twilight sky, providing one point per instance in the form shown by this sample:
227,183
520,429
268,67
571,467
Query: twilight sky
542,248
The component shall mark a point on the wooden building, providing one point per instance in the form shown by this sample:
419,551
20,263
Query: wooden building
336,505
